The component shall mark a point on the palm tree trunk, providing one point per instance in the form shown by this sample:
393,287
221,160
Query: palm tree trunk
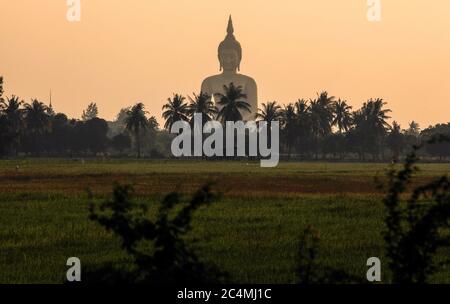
138,142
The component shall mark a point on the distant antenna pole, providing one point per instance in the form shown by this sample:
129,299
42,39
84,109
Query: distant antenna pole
50,104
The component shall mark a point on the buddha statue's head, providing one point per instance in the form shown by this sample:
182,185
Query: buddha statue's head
230,51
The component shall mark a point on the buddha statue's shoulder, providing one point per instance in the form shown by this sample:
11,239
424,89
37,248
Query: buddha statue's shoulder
208,82
220,78
246,78
249,80
213,78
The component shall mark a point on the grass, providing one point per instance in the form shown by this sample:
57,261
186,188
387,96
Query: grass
252,232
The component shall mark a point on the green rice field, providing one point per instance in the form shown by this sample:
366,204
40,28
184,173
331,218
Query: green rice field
251,233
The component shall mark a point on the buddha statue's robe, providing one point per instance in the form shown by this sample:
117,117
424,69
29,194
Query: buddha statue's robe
215,84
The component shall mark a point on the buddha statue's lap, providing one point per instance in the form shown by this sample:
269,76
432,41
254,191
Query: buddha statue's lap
230,55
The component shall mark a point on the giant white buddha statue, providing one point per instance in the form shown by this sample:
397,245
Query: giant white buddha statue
230,55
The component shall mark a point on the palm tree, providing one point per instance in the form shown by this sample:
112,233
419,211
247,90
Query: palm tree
371,125
322,114
395,141
289,123
270,111
232,103
135,123
36,117
375,115
301,106
321,118
342,115
175,110
202,104
380,114
316,120
38,124
304,126
324,99
413,129
11,109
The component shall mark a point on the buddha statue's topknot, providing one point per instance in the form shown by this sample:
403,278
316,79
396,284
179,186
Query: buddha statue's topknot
230,42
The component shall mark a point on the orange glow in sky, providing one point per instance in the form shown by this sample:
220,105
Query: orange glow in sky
122,52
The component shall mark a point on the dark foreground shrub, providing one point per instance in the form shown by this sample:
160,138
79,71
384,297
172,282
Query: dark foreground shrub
169,261
414,229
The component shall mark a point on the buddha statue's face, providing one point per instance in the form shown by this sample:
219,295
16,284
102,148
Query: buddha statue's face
229,60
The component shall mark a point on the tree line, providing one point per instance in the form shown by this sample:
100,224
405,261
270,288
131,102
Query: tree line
324,127
321,128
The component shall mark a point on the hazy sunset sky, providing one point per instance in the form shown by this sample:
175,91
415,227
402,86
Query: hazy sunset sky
144,50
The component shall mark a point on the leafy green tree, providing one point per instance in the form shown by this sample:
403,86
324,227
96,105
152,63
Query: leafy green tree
122,115
118,125
90,112
136,123
153,124
61,135
95,134
232,103
176,109
121,142
441,149
152,137
334,144
77,143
